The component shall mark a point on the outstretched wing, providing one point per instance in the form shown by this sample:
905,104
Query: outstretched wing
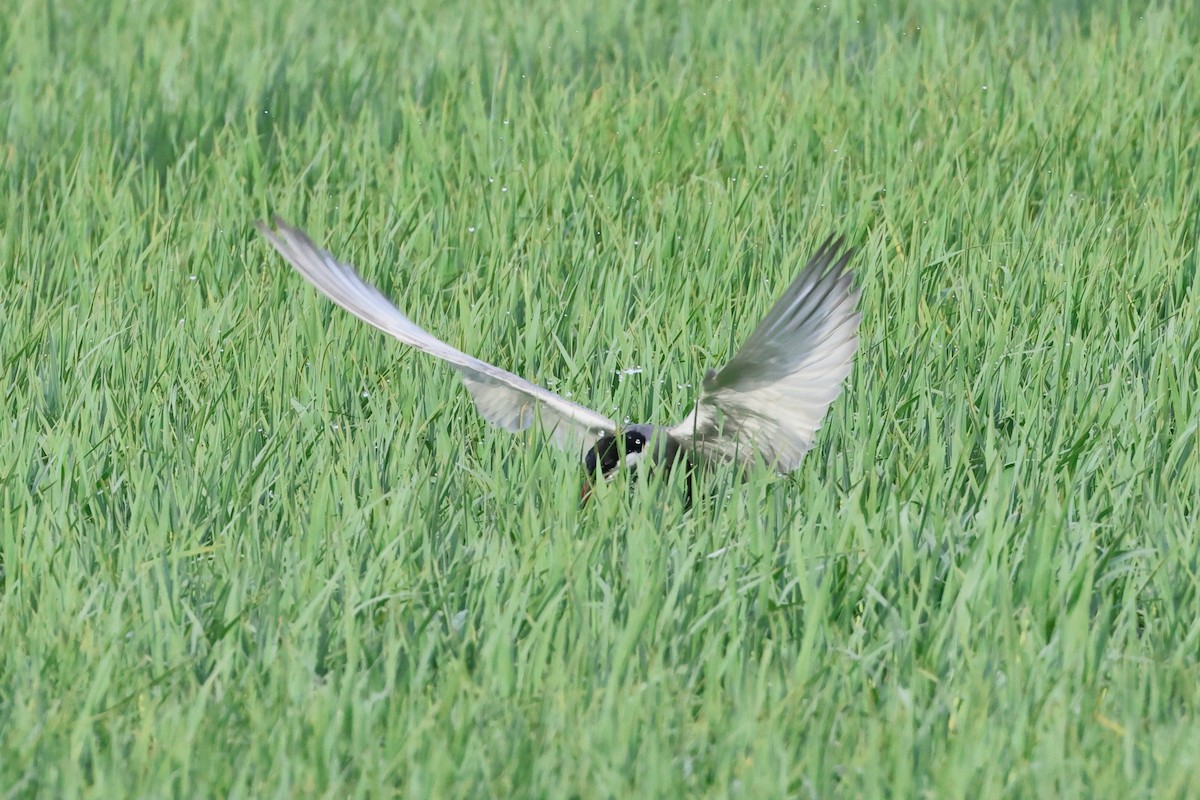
769,400
503,399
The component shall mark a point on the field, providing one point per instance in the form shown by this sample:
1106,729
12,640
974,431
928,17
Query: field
249,547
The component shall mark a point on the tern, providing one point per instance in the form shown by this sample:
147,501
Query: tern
765,405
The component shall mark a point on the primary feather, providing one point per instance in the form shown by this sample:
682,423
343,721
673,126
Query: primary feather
502,398
769,400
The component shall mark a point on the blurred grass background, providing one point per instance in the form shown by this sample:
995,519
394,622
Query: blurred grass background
251,548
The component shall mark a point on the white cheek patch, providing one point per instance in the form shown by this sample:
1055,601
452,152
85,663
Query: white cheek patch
632,459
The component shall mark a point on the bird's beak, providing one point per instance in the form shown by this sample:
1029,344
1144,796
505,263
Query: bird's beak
585,491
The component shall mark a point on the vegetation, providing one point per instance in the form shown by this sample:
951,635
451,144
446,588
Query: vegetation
252,548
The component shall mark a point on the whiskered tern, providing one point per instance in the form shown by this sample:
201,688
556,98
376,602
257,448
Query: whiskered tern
764,405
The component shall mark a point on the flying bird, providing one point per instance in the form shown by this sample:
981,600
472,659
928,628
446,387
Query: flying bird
764,405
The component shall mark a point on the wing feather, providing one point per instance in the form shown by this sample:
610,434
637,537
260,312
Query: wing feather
502,398
769,400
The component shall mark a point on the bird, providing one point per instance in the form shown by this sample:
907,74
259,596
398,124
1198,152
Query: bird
764,405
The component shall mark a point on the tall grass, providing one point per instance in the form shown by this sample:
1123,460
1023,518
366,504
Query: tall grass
252,548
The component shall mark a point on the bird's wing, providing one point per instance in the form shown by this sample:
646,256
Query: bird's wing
503,399
768,401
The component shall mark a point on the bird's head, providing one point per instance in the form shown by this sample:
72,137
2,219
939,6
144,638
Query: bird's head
630,447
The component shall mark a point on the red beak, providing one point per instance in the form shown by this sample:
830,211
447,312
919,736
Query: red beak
585,492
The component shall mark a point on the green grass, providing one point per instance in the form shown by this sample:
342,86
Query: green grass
251,548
